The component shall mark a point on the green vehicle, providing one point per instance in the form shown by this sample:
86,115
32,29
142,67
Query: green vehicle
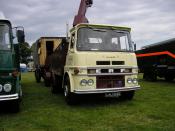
10,87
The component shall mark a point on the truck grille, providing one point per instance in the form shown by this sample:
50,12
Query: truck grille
4,74
102,62
110,82
118,62
110,62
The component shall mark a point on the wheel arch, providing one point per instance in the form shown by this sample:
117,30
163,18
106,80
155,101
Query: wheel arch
67,74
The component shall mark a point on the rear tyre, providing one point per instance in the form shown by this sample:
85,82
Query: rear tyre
56,84
15,106
150,76
69,97
47,82
153,77
37,76
127,95
169,78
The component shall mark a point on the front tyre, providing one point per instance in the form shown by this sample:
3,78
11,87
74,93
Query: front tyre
69,97
15,106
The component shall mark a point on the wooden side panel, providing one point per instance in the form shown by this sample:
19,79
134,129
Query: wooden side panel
42,51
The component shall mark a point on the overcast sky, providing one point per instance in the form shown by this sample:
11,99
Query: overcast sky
151,20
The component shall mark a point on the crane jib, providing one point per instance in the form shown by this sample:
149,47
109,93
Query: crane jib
80,17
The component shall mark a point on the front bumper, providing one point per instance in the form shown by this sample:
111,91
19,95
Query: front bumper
9,97
106,90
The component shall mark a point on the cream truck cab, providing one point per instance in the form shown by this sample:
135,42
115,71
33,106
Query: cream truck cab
100,59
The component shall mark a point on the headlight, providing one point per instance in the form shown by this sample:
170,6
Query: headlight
0,87
7,87
83,82
126,70
90,82
129,80
135,80
98,71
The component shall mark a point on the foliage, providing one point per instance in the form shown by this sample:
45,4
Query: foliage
151,109
25,52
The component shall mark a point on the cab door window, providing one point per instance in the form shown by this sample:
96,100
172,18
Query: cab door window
4,37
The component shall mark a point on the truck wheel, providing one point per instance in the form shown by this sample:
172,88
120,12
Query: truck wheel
169,78
15,106
127,95
148,76
56,84
37,76
53,89
69,97
153,77
46,82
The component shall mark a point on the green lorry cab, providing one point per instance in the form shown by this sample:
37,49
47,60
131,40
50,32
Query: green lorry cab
10,88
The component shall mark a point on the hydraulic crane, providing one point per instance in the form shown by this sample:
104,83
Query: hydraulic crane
80,17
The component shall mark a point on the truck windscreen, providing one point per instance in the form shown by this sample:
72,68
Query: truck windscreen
4,37
98,39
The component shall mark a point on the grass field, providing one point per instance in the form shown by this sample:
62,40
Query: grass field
153,108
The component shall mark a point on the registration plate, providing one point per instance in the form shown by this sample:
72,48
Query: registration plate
114,94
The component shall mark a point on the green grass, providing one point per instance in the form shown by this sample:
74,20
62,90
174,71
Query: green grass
153,108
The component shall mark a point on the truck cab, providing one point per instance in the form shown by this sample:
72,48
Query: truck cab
100,59
10,88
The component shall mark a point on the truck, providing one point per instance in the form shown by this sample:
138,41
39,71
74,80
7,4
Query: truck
43,48
157,60
95,59
10,87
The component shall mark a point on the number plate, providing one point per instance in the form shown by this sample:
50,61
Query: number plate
114,94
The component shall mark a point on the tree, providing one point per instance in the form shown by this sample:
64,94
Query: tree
25,52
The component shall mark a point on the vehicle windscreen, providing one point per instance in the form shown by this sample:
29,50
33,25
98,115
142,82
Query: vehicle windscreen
95,39
4,37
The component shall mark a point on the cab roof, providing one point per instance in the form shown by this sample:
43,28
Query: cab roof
5,21
100,26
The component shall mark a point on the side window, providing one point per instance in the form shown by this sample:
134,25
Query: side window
7,40
72,40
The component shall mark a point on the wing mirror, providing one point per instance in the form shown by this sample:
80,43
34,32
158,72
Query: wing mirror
20,34
134,45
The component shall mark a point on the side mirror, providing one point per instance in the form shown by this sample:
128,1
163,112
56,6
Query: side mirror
20,36
135,47
19,33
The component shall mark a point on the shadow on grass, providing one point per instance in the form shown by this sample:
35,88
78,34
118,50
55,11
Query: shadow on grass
97,100
6,108
159,80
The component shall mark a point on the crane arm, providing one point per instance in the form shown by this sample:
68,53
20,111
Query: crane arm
80,17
